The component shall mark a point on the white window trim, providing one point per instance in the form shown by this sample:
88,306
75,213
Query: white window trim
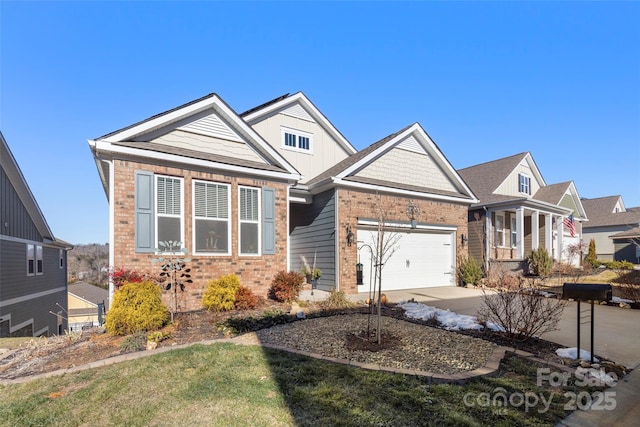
259,222
31,257
39,259
499,244
193,225
521,178
514,232
297,133
157,215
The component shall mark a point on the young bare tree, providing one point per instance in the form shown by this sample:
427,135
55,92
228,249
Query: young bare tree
386,243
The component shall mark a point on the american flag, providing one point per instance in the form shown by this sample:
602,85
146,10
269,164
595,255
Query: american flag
570,224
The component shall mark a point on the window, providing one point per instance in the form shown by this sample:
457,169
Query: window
303,142
168,209
524,184
289,140
296,140
249,210
31,260
39,261
211,212
499,230
514,233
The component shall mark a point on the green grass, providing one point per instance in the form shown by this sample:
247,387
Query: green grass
229,385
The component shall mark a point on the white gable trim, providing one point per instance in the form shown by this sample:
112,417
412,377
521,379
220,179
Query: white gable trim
528,161
576,197
420,194
424,141
314,113
106,147
215,103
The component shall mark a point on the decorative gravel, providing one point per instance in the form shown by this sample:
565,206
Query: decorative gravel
421,347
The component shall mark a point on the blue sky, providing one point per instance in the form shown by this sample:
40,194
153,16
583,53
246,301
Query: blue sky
485,79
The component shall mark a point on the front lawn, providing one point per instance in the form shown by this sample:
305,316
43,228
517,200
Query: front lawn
230,385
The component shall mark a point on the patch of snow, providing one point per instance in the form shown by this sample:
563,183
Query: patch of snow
572,353
448,319
618,300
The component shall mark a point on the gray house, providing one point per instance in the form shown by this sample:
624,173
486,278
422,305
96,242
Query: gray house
610,223
33,263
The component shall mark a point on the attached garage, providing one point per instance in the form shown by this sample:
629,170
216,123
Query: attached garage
423,258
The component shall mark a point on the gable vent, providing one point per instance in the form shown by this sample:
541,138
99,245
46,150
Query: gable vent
299,112
212,125
412,144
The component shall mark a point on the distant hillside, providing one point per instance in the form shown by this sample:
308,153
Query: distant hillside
89,263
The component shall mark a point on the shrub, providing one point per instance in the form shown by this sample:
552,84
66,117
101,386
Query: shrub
221,293
540,263
619,265
121,276
286,286
136,307
336,300
245,299
239,325
591,257
521,312
135,342
469,270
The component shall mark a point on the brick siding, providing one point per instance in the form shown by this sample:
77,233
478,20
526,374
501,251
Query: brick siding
361,204
255,272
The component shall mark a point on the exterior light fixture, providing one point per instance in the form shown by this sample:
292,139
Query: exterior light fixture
413,212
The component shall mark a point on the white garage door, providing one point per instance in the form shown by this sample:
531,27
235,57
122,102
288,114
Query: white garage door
421,259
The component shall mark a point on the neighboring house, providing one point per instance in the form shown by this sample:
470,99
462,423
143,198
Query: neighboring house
518,212
33,263
251,194
85,301
607,217
626,246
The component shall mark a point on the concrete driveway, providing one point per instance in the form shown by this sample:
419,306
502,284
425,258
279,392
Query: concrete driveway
616,335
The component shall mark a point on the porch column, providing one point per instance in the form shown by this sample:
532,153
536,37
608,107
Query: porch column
559,230
535,230
520,233
548,234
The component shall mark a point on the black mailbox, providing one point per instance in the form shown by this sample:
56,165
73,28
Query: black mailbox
587,291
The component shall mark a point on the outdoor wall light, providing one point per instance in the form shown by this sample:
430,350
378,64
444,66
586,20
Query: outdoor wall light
350,236
413,212
464,239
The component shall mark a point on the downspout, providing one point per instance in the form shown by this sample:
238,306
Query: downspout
112,210
487,237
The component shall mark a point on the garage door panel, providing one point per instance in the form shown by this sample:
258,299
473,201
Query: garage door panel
419,260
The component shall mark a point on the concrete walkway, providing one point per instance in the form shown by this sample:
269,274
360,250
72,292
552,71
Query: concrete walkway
616,337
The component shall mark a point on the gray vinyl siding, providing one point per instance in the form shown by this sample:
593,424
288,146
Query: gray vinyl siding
15,283
624,250
14,214
312,231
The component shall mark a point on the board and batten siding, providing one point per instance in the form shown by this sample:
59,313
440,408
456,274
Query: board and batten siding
312,232
510,186
27,299
15,221
324,153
